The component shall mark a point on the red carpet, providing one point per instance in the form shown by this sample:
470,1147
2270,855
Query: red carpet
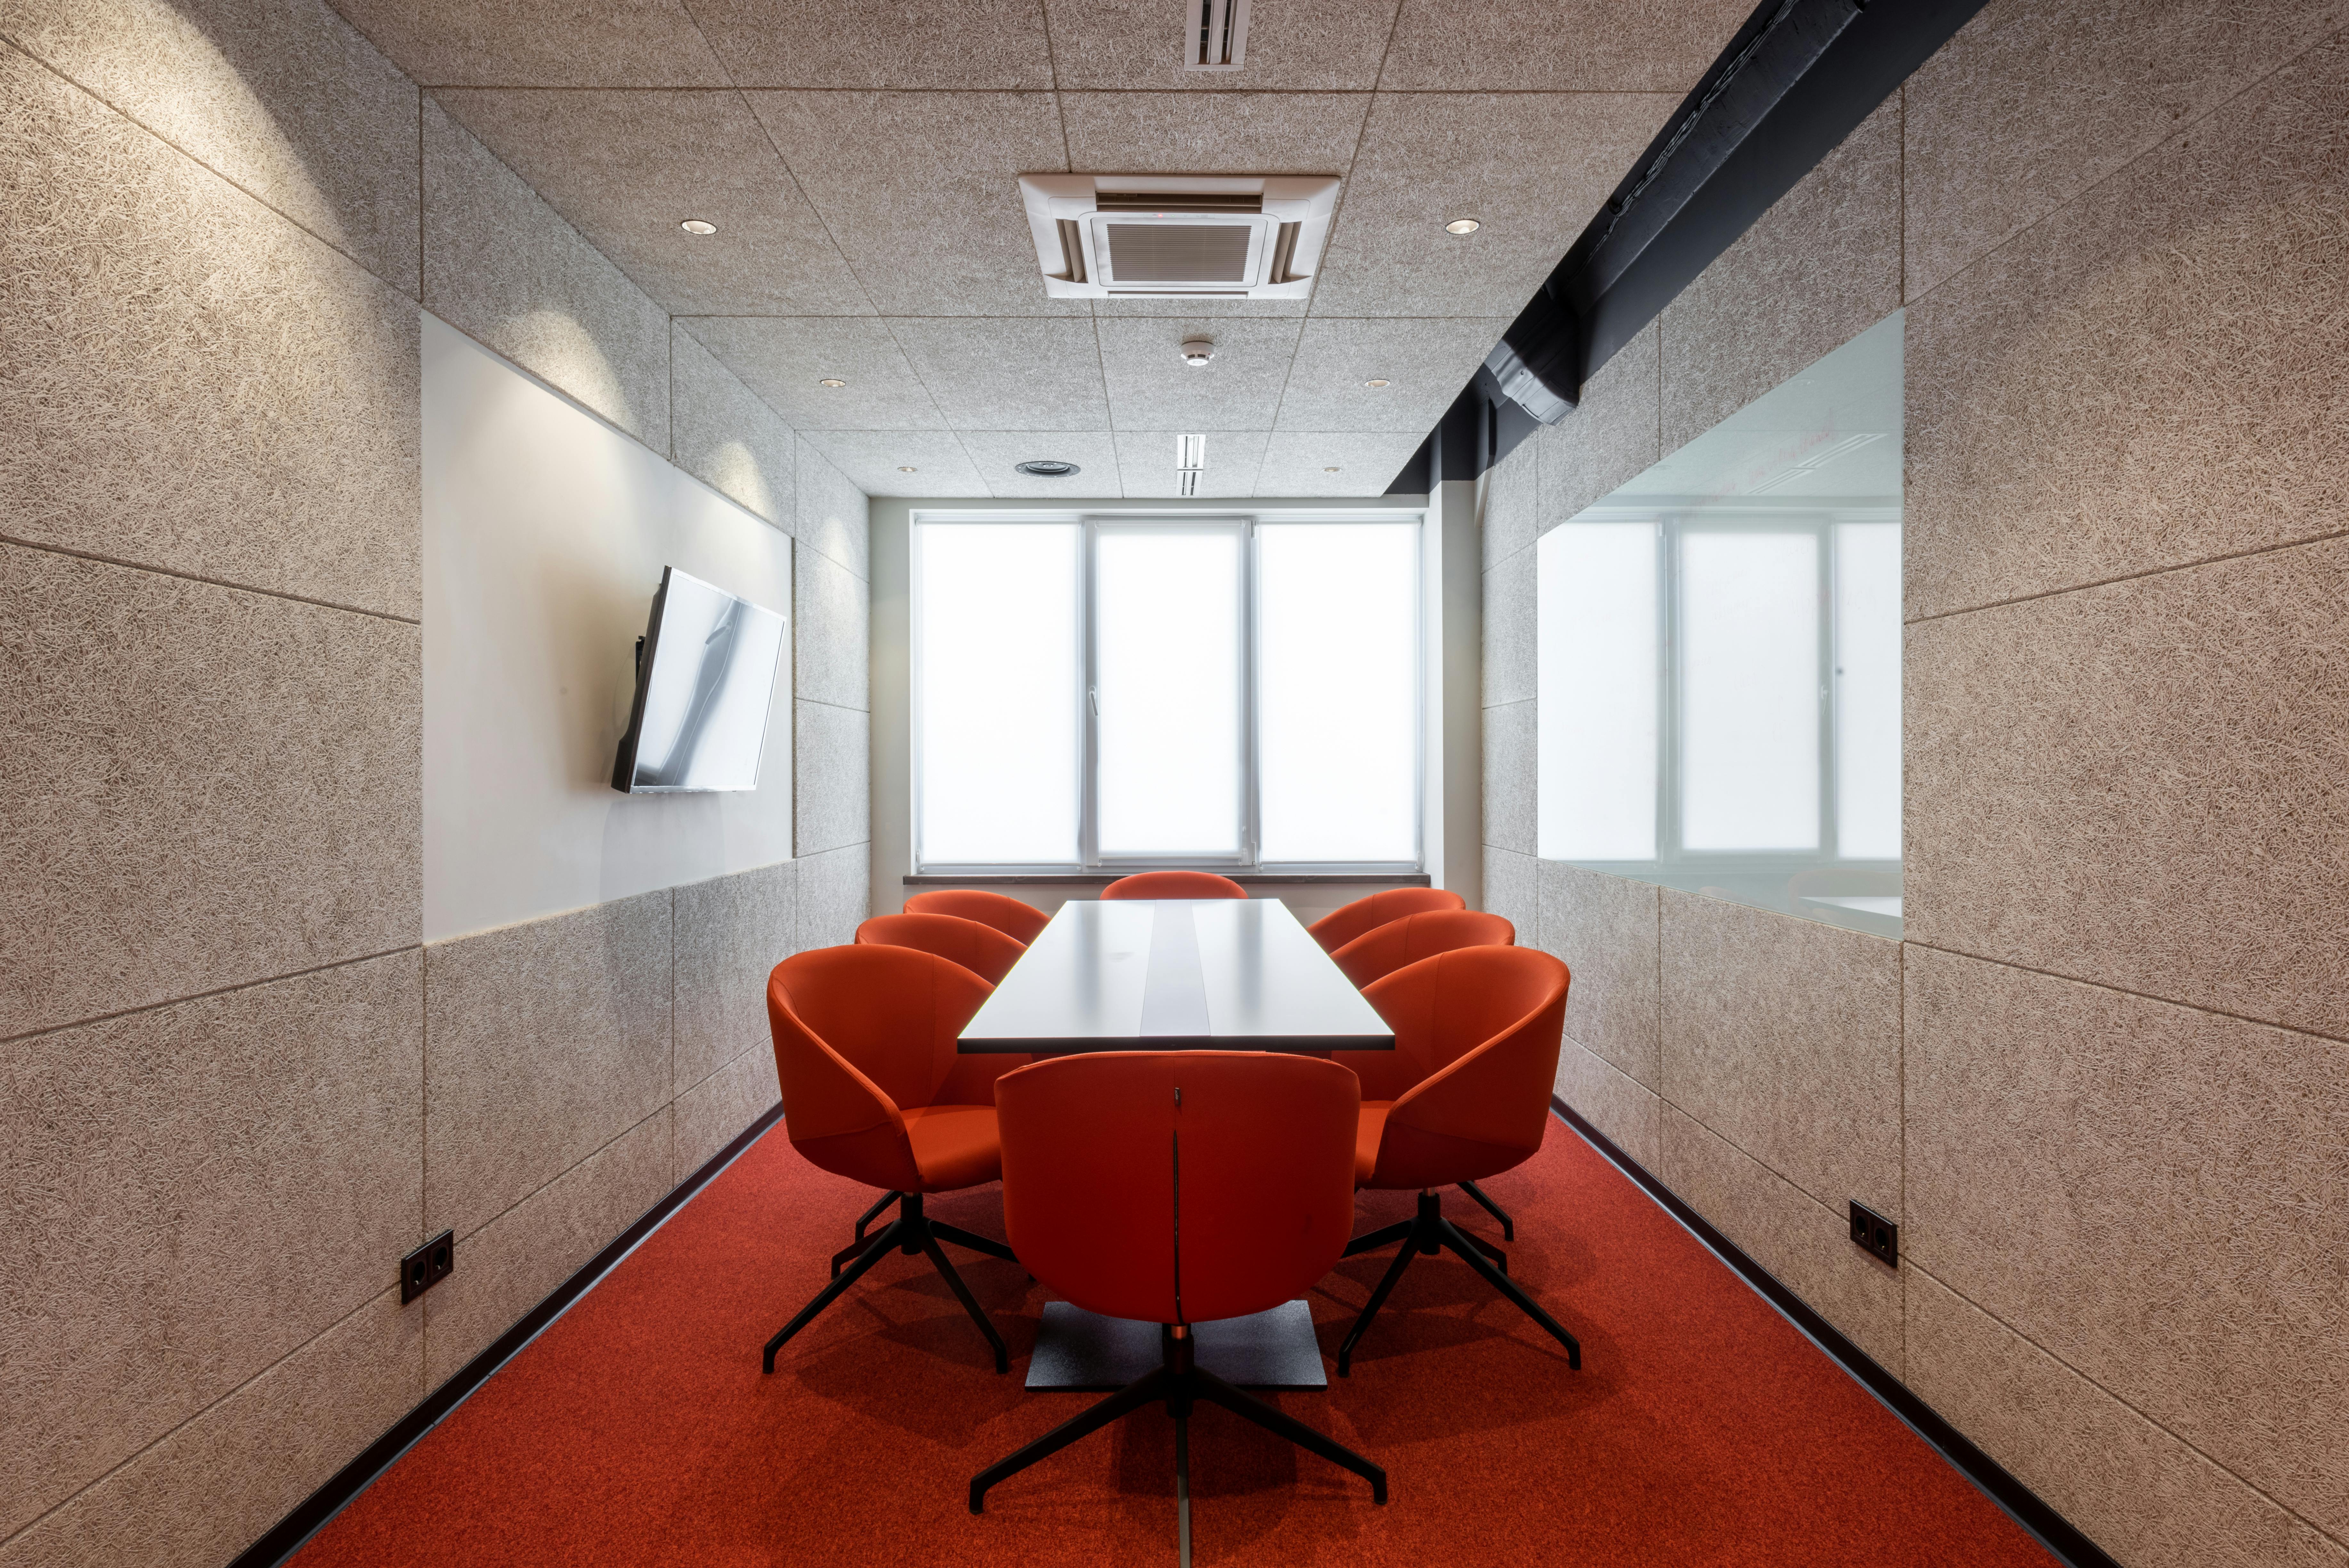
638,1430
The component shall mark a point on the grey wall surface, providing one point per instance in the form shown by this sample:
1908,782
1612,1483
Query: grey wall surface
2101,1081
222,230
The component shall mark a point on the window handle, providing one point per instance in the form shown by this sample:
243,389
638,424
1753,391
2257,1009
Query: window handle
1092,696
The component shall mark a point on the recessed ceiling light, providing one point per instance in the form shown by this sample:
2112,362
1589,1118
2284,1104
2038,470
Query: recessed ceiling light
698,226
1330,469
1047,468
1376,381
905,469
1462,226
828,381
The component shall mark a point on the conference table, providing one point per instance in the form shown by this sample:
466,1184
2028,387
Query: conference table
1174,974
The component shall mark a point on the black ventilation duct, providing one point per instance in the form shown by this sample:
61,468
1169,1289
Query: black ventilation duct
1796,79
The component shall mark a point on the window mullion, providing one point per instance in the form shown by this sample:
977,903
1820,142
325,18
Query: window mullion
1251,748
1089,711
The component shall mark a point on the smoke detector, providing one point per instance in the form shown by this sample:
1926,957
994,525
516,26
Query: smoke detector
1197,351
1163,236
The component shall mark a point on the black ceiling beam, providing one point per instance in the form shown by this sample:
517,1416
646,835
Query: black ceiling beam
1797,79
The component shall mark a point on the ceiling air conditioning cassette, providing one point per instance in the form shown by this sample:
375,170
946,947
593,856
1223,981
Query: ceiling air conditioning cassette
1162,236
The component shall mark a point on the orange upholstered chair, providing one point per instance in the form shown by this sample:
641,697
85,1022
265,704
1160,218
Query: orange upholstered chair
873,1090
981,949
1021,922
1174,884
1341,926
1178,1186
1464,1094
1383,950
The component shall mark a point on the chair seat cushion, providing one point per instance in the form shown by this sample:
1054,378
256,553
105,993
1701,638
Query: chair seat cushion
1366,1139
955,1146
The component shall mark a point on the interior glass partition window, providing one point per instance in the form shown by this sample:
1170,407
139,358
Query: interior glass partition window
1120,692
1719,658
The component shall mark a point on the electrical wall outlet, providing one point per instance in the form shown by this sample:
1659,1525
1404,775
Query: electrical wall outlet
427,1266
1876,1233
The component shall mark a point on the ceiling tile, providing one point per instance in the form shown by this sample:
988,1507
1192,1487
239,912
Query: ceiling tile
1145,462
785,360
921,191
1531,167
1559,45
625,168
1213,133
1291,43
1151,387
873,460
1007,372
1367,463
1424,363
904,44
995,452
539,42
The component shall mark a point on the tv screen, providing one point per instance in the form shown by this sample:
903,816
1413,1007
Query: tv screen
705,679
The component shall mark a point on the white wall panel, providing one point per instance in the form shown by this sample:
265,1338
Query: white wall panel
546,531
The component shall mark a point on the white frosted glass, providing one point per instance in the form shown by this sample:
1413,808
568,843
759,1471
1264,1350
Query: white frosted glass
1337,691
1595,758
1749,691
1167,608
1001,683
1868,690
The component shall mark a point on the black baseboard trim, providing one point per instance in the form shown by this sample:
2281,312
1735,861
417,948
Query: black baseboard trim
2049,1528
291,1532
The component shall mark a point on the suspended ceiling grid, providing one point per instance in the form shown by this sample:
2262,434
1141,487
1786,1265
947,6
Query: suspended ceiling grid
861,166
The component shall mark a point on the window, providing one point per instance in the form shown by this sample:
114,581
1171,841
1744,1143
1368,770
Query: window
1113,693
1719,656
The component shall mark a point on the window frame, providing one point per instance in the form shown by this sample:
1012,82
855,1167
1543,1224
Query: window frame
1674,516
1090,524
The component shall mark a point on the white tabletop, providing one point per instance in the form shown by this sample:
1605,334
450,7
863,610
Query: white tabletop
1237,974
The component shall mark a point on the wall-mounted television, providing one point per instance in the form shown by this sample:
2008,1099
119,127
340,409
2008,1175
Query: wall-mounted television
705,680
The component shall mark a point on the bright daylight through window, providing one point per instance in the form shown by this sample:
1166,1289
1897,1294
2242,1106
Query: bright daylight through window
1720,657
1228,692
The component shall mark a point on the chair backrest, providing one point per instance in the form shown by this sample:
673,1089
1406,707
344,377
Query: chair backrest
1179,1186
1174,884
1480,1026
1018,920
1384,949
981,949
1342,925
863,1034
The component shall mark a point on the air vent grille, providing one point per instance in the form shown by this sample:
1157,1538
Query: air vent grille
1178,236
1073,251
1215,35
1178,254
1190,458
1284,251
1180,201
